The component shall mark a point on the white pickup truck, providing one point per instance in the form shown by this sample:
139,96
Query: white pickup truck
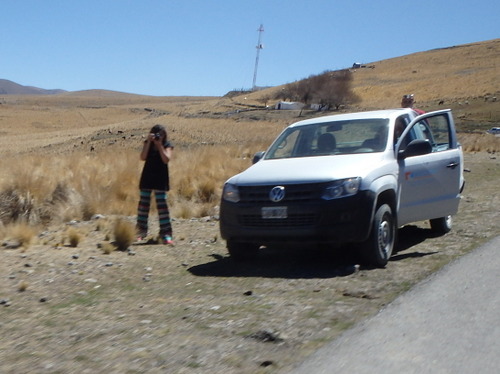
347,178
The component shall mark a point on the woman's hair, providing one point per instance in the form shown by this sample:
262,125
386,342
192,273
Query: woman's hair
159,129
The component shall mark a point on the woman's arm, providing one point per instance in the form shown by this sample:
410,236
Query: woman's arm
165,153
145,149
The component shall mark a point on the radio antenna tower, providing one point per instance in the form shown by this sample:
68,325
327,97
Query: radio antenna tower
259,47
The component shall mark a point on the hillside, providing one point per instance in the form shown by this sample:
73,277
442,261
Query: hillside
453,75
464,78
11,88
449,74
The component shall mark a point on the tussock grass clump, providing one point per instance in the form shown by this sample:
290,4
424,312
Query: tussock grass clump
16,206
124,234
74,237
21,232
107,248
22,286
184,210
188,209
19,202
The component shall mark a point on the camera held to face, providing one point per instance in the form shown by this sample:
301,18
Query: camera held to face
156,136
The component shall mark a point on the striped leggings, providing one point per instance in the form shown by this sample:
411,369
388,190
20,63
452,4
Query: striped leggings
163,212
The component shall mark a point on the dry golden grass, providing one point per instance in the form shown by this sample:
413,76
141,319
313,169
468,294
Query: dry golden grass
54,188
20,232
51,189
22,286
480,143
124,234
453,73
449,74
74,237
107,248
48,173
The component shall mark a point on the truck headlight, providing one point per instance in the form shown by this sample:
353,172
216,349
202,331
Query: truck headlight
231,193
341,188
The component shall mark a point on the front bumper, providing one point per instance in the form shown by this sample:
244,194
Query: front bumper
336,221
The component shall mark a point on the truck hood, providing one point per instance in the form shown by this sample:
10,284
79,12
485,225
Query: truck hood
308,169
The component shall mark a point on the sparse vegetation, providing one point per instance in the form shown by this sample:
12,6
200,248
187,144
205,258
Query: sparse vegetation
79,186
21,233
22,286
124,233
74,237
107,248
480,143
330,89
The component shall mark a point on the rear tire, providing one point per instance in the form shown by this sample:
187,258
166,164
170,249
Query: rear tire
378,248
442,225
241,251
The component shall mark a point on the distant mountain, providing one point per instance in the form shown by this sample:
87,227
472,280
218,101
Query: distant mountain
10,88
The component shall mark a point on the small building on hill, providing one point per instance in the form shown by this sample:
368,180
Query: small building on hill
288,105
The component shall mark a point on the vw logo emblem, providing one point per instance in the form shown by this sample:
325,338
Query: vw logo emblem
277,194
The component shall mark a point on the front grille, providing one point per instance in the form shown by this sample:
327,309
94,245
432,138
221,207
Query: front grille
296,192
293,220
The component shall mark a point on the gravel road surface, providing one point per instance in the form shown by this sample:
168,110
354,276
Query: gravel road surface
449,323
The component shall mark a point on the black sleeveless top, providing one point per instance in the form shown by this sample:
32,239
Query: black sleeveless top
155,172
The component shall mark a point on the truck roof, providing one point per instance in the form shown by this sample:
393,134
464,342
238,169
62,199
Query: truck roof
385,113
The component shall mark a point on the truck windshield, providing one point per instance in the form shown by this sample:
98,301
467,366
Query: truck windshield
331,138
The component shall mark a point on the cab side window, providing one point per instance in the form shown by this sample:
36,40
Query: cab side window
436,130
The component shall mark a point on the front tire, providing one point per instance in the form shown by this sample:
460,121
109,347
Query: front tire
378,248
442,225
241,251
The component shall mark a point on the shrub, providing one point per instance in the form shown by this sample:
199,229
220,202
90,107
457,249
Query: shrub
22,286
124,233
18,206
107,248
74,237
21,232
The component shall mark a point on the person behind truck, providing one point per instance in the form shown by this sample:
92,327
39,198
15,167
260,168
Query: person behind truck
408,101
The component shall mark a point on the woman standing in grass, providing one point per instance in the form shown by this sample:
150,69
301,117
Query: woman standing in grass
157,153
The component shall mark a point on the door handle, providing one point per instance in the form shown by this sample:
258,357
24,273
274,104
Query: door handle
452,165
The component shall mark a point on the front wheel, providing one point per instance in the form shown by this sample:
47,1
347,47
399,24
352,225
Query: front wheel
241,251
378,248
441,225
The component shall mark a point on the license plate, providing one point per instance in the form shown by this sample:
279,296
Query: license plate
275,212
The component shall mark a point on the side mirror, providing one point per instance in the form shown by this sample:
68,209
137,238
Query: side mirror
258,156
416,147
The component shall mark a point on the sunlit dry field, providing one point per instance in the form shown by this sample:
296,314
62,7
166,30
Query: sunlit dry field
70,302
72,156
89,152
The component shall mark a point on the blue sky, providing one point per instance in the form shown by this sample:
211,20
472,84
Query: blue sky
207,48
